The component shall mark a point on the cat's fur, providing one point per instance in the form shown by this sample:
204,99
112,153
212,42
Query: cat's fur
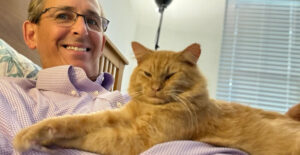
294,112
169,102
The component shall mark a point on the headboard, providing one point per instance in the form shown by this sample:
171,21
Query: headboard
14,12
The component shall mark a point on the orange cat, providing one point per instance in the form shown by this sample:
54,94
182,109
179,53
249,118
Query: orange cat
294,112
169,102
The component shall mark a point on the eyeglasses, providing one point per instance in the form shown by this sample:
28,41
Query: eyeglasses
67,18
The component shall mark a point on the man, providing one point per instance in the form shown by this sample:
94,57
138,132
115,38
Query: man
68,34
62,40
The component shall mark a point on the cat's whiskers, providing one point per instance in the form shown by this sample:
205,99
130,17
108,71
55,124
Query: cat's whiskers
193,109
136,94
191,113
174,91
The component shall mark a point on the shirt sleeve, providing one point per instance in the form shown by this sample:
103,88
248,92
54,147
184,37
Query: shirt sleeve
190,148
6,133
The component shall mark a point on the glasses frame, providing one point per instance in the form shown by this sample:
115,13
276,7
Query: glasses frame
104,24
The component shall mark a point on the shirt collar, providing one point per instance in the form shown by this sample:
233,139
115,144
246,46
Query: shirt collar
71,80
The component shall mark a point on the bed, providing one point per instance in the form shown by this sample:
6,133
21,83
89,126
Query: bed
13,14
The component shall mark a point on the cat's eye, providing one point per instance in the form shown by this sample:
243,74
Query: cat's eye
147,74
169,76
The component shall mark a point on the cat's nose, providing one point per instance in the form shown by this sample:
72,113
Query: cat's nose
156,87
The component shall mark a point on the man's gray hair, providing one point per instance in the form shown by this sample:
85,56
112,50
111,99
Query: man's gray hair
36,7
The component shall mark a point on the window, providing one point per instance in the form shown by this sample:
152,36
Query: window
260,55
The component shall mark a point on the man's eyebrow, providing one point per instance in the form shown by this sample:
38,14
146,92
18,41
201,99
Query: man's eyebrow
69,8
93,13
66,8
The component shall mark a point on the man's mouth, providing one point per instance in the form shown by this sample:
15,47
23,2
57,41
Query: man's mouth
74,48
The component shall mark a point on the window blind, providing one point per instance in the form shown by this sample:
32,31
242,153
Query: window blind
260,54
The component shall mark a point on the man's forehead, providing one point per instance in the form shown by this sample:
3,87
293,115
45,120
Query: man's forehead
86,6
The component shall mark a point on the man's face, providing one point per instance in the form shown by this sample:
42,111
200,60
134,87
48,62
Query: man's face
76,45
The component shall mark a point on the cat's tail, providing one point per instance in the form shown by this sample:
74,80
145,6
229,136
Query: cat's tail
294,112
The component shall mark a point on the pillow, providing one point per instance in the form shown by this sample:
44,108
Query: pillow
14,64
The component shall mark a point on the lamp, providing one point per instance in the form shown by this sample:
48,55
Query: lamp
162,4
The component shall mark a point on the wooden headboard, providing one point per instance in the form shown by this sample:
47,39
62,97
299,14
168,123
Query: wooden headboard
14,12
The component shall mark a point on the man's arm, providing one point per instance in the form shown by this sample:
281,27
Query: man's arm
190,148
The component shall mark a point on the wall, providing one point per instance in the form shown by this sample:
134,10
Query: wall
122,25
183,24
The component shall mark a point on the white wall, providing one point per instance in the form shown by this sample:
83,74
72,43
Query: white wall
183,24
122,26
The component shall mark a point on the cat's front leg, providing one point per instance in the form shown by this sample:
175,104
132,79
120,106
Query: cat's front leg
54,130
68,131
37,136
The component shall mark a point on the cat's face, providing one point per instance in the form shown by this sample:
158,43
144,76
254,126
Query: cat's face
161,76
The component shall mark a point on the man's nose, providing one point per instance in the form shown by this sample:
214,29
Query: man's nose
79,27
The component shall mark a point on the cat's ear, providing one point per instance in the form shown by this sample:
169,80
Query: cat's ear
192,53
139,51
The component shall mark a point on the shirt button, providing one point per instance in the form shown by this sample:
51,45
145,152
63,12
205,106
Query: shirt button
73,92
96,93
119,104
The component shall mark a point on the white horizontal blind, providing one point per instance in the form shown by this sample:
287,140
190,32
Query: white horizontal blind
260,56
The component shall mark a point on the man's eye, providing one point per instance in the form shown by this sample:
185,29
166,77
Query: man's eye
64,16
92,21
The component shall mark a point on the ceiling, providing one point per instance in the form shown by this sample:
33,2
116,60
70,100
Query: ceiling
179,14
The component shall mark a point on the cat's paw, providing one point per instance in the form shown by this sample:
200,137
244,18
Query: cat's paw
36,137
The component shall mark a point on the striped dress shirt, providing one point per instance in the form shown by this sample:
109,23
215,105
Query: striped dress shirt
67,90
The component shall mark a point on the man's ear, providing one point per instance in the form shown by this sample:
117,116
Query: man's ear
29,34
139,51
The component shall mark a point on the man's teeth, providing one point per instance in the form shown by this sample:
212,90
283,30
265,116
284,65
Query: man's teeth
76,48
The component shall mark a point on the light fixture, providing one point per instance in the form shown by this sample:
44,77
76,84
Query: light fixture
162,4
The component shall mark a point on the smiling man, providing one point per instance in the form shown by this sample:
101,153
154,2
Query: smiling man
68,35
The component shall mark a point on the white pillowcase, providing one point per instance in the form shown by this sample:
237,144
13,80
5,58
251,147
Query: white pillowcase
14,64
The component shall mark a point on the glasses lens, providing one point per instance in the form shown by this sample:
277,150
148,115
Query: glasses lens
97,23
68,18
64,17
93,22
104,23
